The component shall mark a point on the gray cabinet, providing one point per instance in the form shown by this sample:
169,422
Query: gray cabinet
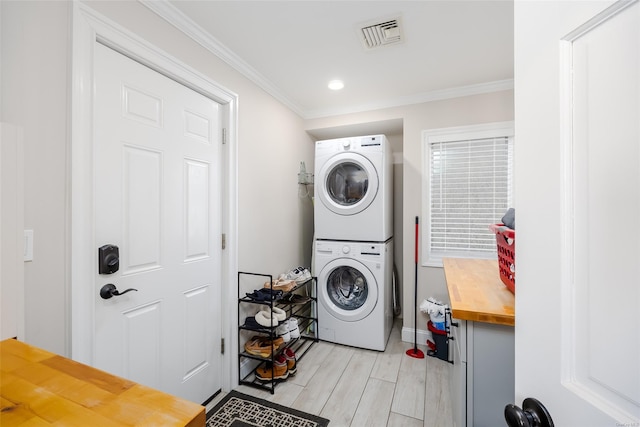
482,373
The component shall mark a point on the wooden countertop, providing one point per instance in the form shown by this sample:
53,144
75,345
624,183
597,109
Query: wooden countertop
43,389
477,293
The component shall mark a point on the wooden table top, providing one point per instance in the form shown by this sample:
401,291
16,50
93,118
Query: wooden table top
39,388
477,293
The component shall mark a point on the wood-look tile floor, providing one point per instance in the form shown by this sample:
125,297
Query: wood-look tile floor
355,387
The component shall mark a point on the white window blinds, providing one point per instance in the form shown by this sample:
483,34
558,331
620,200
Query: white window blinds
469,187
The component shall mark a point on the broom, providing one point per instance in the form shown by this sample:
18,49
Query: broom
415,351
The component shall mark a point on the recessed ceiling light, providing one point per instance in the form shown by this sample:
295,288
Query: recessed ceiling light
336,84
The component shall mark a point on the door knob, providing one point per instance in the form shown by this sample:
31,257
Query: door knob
109,290
532,414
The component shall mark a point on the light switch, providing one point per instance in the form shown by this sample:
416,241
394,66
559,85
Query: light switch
28,245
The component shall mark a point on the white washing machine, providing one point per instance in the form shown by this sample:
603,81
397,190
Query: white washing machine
354,292
354,189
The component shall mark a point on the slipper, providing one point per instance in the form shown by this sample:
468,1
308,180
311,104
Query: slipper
266,319
278,312
250,323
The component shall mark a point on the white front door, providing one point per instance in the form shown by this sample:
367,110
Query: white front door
577,309
157,198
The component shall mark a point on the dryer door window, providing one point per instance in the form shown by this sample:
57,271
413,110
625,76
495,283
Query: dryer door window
349,183
347,288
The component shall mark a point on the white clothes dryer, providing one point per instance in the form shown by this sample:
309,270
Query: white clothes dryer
354,189
354,292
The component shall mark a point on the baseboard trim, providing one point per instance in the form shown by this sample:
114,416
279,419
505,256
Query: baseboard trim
421,336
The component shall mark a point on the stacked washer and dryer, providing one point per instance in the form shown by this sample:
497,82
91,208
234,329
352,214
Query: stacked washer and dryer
353,249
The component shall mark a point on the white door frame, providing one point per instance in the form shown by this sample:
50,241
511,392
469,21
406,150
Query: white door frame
88,28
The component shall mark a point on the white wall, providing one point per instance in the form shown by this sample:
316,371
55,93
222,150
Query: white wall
11,234
34,97
470,110
274,223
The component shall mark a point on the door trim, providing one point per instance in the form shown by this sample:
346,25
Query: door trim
89,27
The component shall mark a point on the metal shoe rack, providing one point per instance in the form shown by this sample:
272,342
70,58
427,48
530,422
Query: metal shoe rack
307,323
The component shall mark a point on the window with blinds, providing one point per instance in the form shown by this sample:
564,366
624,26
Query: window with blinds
469,174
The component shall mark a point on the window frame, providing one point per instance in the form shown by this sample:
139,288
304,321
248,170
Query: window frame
452,134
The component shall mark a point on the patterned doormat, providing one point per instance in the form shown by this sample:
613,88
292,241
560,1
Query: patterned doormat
241,410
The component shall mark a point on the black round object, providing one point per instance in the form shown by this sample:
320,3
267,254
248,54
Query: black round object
532,414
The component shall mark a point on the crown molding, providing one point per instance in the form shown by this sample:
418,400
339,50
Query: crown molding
168,12
420,98
183,23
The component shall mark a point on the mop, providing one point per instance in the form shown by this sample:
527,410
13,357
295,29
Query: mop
415,351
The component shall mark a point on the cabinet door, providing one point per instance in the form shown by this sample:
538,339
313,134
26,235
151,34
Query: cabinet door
490,374
458,372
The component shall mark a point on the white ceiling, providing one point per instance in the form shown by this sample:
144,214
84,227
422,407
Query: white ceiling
293,48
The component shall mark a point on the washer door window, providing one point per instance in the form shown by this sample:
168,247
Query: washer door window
350,183
348,289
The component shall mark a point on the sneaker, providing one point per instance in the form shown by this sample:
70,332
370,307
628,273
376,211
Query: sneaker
282,331
276,371
299,275
294,331
290,357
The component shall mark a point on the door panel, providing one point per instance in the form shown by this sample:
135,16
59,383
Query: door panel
141,205
157,197
604,263
142,343
577,173
196,209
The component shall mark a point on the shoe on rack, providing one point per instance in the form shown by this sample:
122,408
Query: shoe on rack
258,347
265,295
294,330
295,299
276,342
276,371
290,356
250,323
282,331
277,312
284,285
267,319
298,274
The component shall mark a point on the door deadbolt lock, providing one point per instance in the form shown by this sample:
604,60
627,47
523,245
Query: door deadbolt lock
108,259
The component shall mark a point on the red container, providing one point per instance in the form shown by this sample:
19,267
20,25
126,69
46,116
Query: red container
506,241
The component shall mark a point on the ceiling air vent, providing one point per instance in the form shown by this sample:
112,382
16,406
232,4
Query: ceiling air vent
381,33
